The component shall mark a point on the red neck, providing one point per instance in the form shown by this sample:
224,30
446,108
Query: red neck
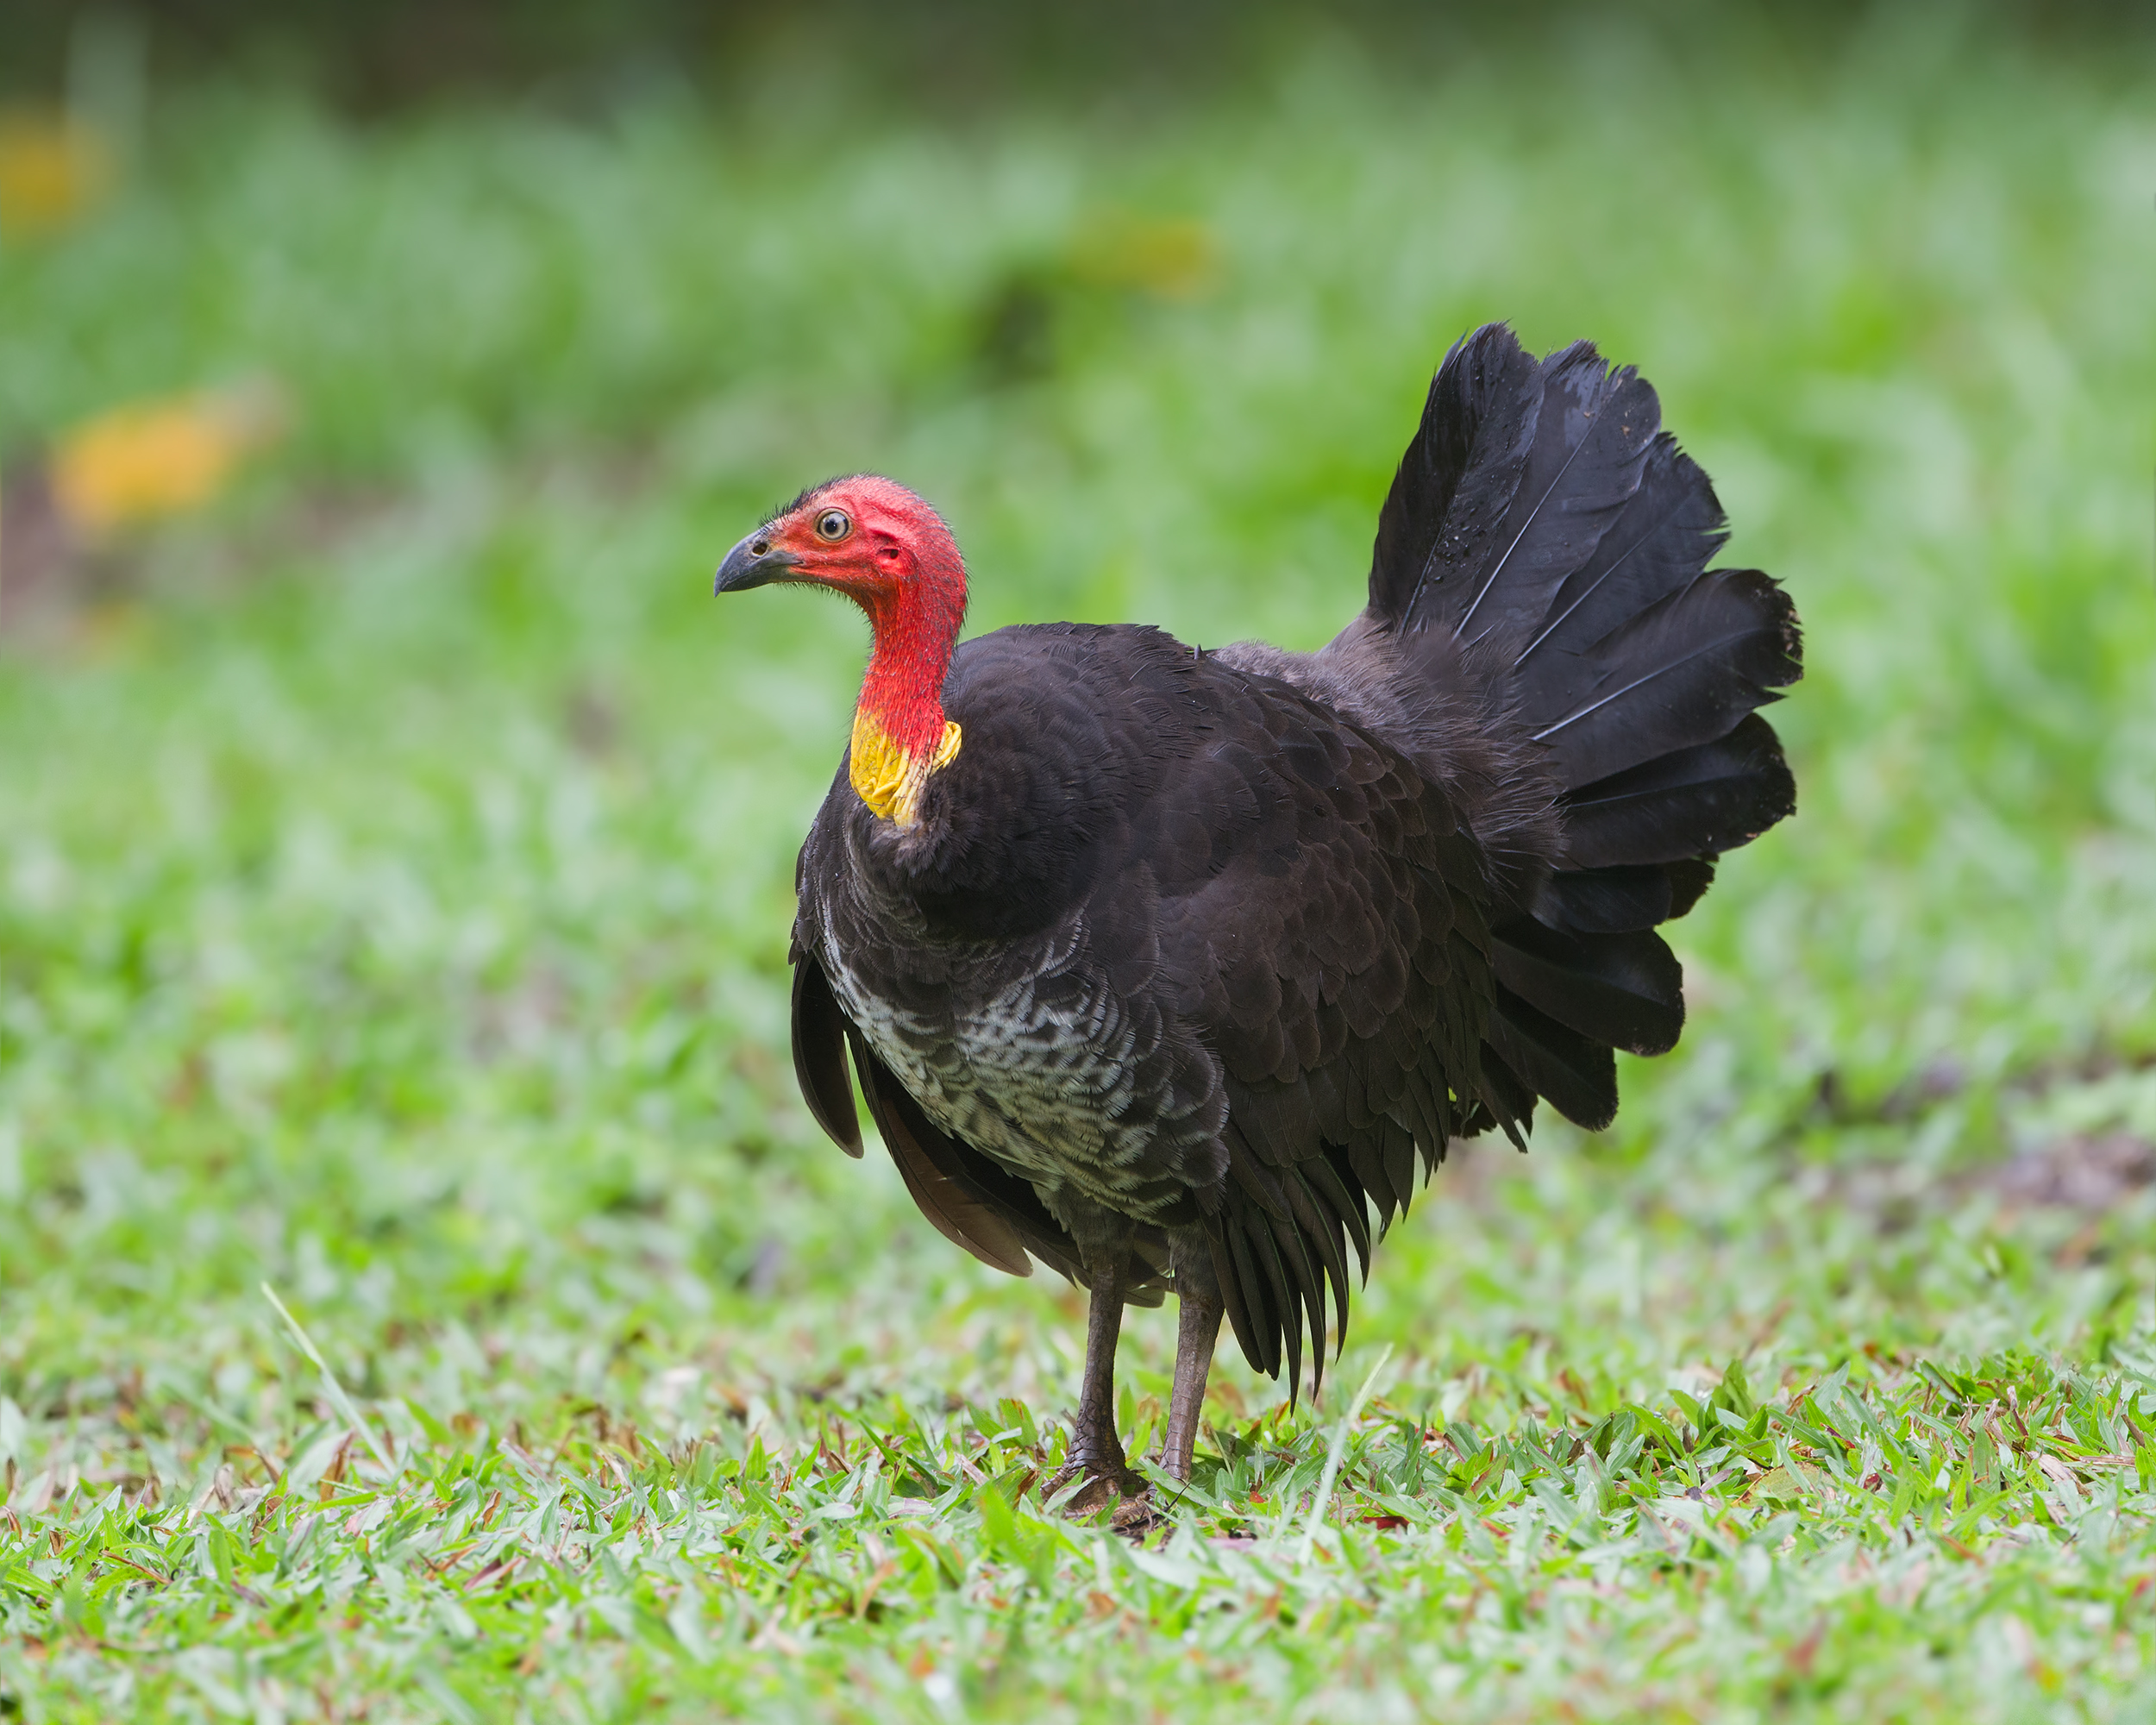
916,628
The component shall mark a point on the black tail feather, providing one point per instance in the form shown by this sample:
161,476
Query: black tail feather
1516,474
1542,515
1693,802
1455,481
1683,672
1541,506
1612,900
1690,878
1577,1074
1671,528
1624,989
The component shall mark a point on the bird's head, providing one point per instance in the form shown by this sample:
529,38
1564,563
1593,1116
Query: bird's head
866,537
875,541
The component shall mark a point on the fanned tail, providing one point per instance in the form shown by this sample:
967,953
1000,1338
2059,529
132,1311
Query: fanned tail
1543,524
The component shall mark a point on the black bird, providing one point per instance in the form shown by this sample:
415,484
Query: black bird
1177,969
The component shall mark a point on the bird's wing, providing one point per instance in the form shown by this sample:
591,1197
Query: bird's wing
1322,925
819,1053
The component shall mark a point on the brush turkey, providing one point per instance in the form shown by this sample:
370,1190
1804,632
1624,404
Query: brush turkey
1176,969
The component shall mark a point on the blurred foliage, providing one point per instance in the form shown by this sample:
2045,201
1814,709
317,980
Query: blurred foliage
395,867
929,58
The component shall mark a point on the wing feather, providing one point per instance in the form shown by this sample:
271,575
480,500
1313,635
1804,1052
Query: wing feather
820,1054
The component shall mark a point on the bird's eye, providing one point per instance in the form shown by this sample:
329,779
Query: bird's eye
833,524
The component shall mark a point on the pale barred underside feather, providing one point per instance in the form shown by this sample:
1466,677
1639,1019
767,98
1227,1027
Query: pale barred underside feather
1040,1072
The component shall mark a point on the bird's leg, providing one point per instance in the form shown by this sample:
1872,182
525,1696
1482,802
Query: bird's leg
1198,1307
1095,1452
1094,1448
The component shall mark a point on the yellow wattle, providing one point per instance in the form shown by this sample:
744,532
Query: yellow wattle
890,778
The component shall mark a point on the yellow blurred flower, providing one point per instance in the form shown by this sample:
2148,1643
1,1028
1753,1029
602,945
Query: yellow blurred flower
52,169
1173,259
158,457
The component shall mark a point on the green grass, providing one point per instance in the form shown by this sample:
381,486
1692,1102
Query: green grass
395,873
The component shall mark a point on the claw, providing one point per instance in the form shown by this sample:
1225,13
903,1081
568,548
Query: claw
1137,1516
1097,1488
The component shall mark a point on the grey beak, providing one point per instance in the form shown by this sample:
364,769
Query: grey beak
754,563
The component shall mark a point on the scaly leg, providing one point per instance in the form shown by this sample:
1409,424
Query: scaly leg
1094,1446
1095,1452
1197,1308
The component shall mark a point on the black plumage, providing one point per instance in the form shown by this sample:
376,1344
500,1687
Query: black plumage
1190,965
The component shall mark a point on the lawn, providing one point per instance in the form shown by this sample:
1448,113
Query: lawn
422,1294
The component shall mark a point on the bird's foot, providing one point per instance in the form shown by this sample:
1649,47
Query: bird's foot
1102,1483
1126,1496
1137,1516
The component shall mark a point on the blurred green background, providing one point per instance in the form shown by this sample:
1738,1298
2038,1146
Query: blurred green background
396,843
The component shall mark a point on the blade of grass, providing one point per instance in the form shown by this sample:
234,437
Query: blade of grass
1336,1452
330,1387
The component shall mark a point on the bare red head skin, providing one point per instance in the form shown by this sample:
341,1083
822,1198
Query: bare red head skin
888,551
